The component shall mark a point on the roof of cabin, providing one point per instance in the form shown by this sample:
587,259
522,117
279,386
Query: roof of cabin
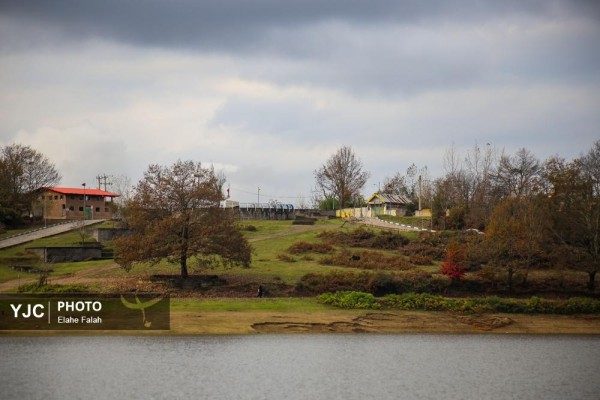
80,191
379,198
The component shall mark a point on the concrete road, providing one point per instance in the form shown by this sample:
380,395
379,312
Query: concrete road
391,225
44,232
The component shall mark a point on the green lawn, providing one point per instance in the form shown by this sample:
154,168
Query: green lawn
270,241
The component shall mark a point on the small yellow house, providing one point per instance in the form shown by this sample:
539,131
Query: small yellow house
387,204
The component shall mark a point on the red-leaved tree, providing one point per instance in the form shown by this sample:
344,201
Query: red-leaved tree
454,259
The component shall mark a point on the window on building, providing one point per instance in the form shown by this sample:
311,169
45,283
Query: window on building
71,208
80,208
64,206
61,196
97,209
56,197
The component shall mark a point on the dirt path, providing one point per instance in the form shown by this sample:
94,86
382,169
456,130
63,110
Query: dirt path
388,225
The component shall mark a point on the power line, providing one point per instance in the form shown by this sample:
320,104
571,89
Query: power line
268,195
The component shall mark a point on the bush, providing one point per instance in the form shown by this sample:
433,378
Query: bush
381,284
313,283
286,258
429,302
306,247
354,300
419,259
10,217
300,220
367,260
420,301
250,228
420,281
366,238
578,305
37,288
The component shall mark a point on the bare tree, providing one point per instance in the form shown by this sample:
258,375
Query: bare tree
518,175
479,168
341,176
407,185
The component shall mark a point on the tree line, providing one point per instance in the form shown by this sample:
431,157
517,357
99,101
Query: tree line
532,212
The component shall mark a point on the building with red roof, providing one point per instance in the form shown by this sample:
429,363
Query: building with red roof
74,203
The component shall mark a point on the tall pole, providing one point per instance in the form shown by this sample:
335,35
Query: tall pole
258,199
83,184
420,188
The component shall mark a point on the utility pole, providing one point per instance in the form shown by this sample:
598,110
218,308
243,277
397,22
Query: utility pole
83,184
100,179
420,188
258,200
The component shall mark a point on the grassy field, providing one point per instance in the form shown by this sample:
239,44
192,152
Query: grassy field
198,312
269,240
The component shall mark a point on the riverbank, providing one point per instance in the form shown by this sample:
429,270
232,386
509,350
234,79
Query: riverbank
226,316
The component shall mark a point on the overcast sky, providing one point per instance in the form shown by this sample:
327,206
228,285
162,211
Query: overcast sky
267,90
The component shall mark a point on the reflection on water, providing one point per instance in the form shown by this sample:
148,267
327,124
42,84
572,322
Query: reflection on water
301,367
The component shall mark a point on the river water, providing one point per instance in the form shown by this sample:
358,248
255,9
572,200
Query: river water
291,367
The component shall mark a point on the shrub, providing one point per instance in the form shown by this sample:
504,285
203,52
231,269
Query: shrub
250,228
381,284
366,238
429,302
453,267
578,305
420,281
304,221
350,300
420,301
286,258
314,283
306,247
37,288
367,260
420,259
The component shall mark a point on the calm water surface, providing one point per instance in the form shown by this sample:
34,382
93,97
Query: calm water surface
301,367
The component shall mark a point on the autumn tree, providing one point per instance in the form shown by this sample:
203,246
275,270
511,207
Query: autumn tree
23,170
174,214
516,236
454,261
574,198
341,176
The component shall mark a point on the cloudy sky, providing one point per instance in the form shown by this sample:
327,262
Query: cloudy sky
267,90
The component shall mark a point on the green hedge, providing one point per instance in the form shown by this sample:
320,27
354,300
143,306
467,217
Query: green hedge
350,300
428,302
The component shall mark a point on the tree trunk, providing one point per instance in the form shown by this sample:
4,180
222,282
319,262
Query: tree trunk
183,262
184,250
592,282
